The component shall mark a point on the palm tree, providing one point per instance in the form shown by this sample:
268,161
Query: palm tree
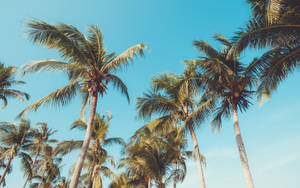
121,181
175,101
47,168
151,156
41,139
7,81
97,156
89,68
15,140
176,140
275,24
230,84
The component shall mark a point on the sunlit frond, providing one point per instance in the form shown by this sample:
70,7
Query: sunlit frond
42,33
59,97
124,58
51,65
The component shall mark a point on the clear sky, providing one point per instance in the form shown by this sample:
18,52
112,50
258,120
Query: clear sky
168,27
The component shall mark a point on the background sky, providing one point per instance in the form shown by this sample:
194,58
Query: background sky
168,27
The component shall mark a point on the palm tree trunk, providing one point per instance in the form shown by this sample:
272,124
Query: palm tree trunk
92,168
43,179
86,143
200,170
149,182
6,168
241,147
175,174
34,161
97,184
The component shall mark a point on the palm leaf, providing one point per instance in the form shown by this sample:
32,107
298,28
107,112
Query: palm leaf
124,58
59,97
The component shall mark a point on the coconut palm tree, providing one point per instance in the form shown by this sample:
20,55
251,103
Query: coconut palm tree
88,65
121,181
47,168
41,139
7,80
175,138
15,140
229,82
97,156
174,99
151,155
275,24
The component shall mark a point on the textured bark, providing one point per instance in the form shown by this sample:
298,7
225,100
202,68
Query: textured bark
241,147
200,170
6,168
175,174
92,167
34,161
86,143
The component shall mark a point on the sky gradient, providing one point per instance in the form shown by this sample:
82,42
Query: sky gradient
168,27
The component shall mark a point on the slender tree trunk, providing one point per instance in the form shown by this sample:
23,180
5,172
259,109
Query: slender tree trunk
6,168
34,161
43,177
200,170
241,147
175,174
97,184
149,182
86,143
161,184
92,167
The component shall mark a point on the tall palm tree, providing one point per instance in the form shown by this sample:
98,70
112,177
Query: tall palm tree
275,24
47,168
175,101
97,156
41,139
229,82
151,155
15,140
89,68
7,80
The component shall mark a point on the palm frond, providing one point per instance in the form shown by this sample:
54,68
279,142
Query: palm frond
205,48
59,97
42,33
118,84
124,58
51,65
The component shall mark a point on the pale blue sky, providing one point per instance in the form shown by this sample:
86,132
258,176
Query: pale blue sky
168,27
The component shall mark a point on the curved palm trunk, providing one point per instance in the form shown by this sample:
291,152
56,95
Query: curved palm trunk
34,161
92,168
175,174
241,147
86,143
200,170
6,168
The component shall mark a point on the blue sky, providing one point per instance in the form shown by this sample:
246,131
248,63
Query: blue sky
168,27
